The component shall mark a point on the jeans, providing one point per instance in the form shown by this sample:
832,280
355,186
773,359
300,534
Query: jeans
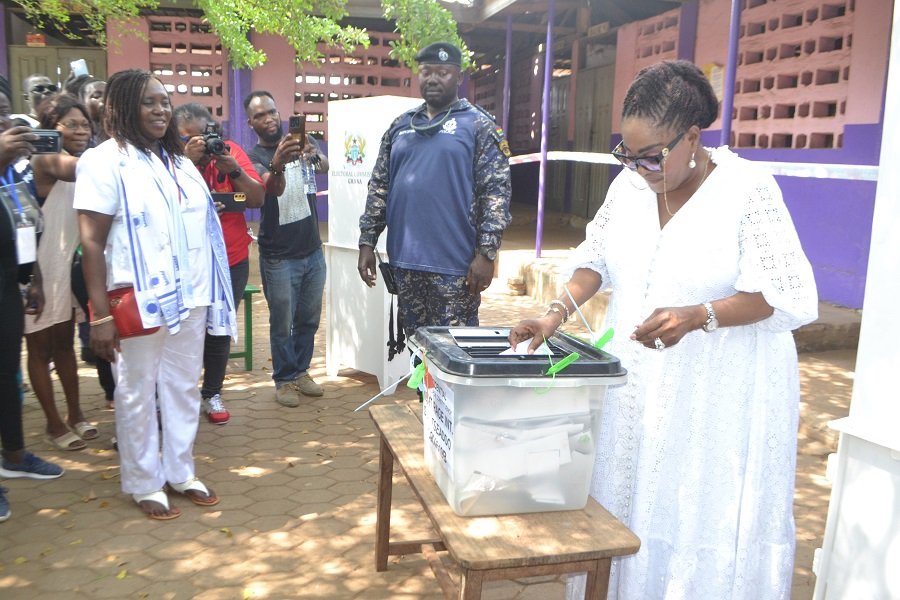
217,347
293,288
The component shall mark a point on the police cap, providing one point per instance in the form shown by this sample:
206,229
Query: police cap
440,53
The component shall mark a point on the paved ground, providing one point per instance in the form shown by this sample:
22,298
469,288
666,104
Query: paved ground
298,498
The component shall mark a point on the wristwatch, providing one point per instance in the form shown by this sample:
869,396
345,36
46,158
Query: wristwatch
235,174
712,323
488,253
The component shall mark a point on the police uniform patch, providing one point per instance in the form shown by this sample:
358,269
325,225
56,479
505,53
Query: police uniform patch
501,141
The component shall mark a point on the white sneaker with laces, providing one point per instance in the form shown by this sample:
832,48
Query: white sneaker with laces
215,410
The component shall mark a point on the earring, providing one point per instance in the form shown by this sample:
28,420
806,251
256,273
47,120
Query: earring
692,163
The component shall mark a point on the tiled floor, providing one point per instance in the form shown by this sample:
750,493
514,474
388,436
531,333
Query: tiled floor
298,498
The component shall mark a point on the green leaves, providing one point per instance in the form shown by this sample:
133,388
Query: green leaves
303,23
95,12
419,23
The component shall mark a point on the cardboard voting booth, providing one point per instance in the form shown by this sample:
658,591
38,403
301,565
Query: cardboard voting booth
357,317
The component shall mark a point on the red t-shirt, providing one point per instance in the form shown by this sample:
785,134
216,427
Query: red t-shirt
234,225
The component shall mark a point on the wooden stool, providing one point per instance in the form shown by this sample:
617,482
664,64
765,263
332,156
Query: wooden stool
247,352
489,548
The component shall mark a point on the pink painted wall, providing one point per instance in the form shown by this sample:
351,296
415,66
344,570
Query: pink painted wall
277,75
127,50
868,63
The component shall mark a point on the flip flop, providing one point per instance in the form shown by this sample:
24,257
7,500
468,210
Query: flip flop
85,430
158,497
67,441
195,485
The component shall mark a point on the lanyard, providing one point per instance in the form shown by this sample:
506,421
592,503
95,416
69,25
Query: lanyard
9,181
174,172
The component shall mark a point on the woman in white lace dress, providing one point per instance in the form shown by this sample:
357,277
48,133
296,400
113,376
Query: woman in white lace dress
697,450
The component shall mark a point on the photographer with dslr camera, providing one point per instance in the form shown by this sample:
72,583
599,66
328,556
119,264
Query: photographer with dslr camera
226,169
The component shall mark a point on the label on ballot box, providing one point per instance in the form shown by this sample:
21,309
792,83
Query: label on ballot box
437,421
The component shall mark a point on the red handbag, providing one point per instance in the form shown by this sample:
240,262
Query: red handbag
124,310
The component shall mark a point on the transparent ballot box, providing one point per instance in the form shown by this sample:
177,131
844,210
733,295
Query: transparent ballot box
501,436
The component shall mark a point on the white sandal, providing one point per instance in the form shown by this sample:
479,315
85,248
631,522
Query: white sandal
195,485
159,497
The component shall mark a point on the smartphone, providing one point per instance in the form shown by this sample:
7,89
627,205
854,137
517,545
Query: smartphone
233,201
297,127
48,142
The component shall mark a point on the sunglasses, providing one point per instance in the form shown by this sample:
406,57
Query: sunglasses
649,162
44,88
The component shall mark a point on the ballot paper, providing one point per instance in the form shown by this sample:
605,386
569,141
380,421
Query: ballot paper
522,348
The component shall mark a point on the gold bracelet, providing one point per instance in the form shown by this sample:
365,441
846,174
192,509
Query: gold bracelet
101,321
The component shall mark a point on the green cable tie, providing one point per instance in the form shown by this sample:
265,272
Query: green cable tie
604,338
562,364
418,374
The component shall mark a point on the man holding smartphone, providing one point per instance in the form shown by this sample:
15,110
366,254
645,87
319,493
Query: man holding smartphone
291,262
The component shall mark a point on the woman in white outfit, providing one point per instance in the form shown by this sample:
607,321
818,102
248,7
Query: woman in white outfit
697,450
147,221
50,335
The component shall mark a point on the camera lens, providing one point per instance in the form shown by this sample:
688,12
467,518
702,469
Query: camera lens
215,145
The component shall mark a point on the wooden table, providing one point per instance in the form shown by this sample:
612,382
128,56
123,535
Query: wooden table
489,548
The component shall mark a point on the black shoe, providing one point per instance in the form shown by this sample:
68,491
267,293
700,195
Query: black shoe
88,356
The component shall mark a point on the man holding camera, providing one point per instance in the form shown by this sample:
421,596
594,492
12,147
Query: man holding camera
227,171
291,262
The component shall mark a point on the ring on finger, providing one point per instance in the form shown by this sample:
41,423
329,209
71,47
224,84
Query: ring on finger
659,344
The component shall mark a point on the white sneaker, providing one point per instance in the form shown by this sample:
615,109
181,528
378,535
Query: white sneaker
215,410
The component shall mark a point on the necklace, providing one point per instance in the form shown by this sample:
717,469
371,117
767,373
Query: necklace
702,179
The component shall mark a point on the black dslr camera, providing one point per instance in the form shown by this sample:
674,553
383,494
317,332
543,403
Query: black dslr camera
213,141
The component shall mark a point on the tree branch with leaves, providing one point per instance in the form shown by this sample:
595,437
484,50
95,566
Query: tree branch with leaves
302,23
419,23
95,13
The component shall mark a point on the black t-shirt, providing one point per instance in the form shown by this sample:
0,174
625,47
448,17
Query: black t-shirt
297,239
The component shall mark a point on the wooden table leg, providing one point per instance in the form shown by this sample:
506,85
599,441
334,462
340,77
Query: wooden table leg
597,586
383,506
470,583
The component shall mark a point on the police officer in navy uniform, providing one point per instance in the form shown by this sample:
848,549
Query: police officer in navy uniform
441,185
